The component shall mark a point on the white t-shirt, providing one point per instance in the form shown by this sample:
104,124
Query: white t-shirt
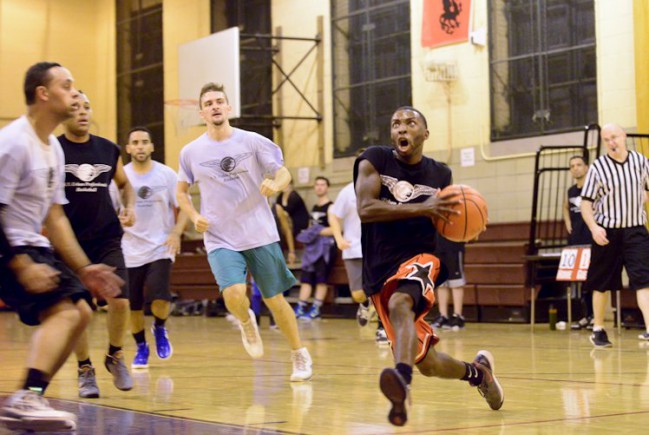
229,174
32,178
345,208
155,202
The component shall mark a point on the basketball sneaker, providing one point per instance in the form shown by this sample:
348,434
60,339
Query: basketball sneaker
381,337
121,377
313,314
581,324
600,339
302,365
440,322
87,382
250,336
27,410
456,322
141,360
489,388
162,343
644,336
299,311
395,389
363,315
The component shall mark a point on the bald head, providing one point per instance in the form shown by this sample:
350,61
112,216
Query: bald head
614,138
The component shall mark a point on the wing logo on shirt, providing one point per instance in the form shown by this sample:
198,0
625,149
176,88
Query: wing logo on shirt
87,172
146,192
575,204
403,191
227,164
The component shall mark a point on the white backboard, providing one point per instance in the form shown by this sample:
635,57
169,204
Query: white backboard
214,58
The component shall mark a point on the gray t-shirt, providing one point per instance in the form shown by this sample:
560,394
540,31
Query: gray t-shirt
229,174
155,202
32,178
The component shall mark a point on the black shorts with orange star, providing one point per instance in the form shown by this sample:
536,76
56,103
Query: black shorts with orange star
421,270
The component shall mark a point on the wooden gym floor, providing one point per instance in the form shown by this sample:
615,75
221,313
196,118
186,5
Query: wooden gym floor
554,382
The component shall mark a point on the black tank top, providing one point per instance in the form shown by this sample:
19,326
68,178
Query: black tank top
580,235
319,214
89,169
386,245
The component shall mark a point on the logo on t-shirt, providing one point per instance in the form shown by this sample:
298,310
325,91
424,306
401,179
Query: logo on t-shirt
146,192
575,204
227,165
86,172
404,191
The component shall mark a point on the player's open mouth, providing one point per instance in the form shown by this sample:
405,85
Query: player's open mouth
403,143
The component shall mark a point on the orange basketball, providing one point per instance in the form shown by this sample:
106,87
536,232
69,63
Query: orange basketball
472,219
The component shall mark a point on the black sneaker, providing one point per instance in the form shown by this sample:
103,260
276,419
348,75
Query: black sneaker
456,322
591,324
581,324
489,388
440,322
394,387
600,339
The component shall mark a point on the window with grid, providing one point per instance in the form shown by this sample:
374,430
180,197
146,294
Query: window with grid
371,70
140,72
542,66
256,59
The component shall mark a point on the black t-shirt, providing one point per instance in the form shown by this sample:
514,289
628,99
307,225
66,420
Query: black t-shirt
89,169
319,214
296,209
580,235
386,245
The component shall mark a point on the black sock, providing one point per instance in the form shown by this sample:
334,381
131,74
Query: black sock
36,381
473,375
380,324
366,304
85,362
112,350
406,371
158,322
139,337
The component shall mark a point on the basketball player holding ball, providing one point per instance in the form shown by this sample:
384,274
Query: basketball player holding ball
397,198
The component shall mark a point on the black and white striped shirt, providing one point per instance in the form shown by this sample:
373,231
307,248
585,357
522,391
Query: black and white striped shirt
617,190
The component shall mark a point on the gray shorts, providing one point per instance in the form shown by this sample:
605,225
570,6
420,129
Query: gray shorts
451,254
354,268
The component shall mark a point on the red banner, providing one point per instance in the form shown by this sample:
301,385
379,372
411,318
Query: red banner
445,22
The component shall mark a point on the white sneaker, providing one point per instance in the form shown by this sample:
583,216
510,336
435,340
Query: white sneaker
382,337
302,364
250,336
26,410
362,315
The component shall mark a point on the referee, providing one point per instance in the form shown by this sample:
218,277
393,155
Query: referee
612,206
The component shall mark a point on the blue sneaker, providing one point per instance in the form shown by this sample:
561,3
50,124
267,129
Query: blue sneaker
313,314
299,311
162,344
141,360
